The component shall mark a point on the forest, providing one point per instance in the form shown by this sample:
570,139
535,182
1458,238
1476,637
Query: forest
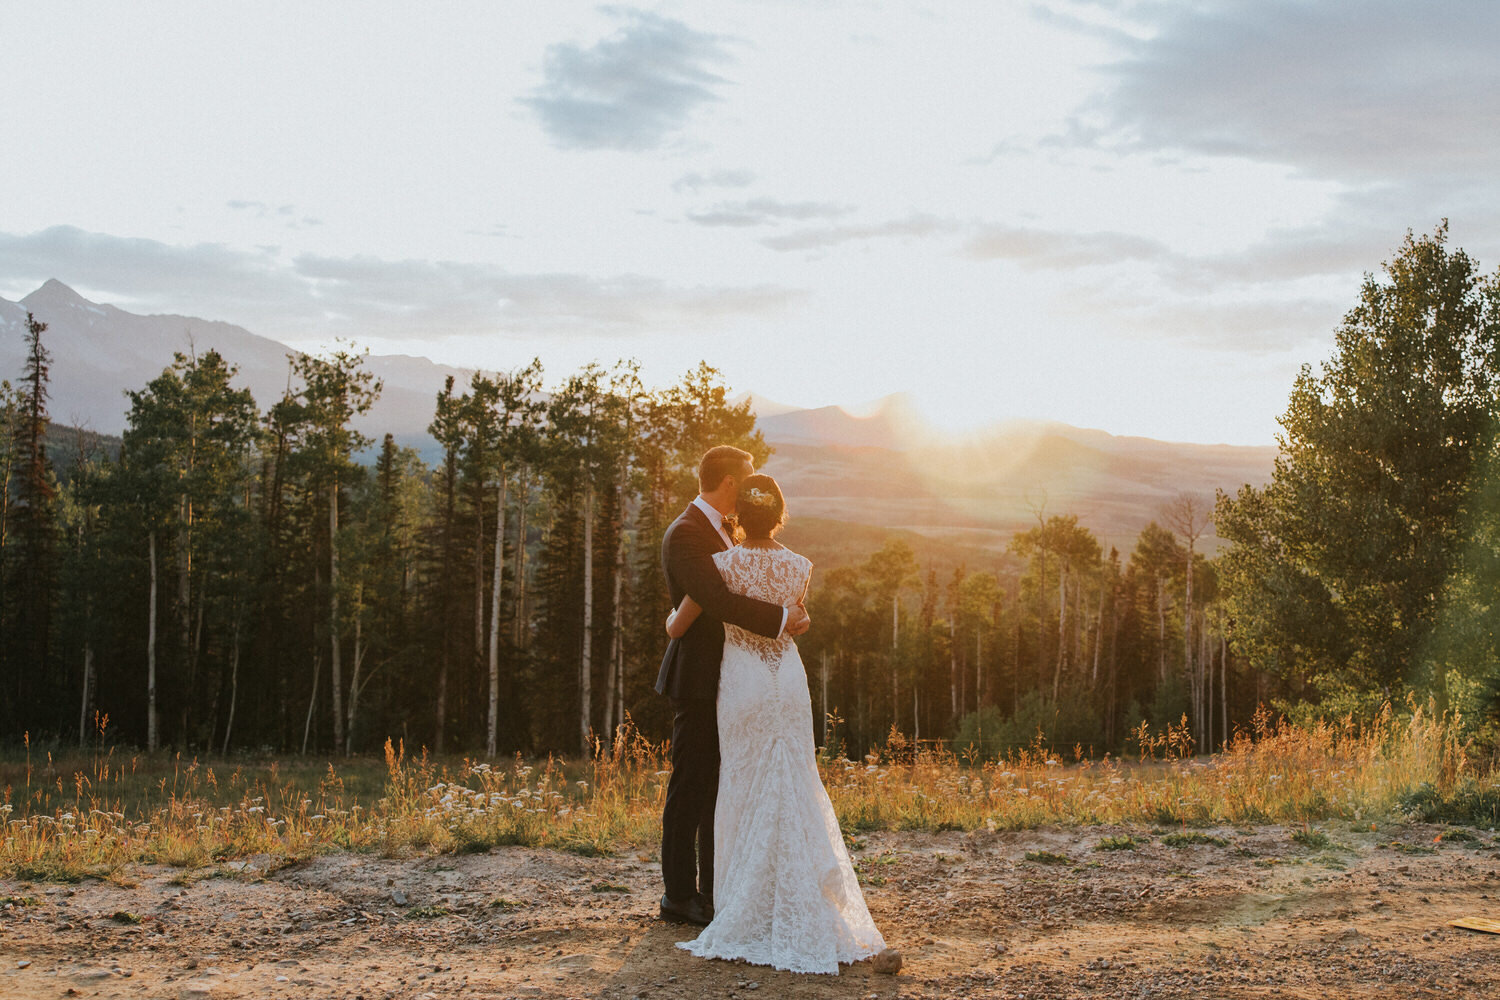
235,576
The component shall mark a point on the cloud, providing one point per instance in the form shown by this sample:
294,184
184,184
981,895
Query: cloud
1038,248
829,236
694,182
1249,326
630,91
1387,89
365,297
762,211
281,213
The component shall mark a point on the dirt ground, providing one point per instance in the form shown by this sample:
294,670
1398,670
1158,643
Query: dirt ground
1261,916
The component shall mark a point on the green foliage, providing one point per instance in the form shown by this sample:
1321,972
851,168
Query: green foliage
1067,723
1467,802
1123,842
1310,838
1049,858
1338,567
1192,838
985,730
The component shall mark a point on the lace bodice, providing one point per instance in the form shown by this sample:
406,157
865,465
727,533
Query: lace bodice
777,576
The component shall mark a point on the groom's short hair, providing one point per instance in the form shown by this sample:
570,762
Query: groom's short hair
721,461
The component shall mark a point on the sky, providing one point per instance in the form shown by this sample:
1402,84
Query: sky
1136,216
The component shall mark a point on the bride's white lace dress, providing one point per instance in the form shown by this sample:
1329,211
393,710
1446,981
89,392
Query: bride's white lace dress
785,894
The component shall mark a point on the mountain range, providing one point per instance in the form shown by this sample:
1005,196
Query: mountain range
890,469
99,351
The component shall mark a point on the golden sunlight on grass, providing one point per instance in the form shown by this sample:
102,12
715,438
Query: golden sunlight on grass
68,818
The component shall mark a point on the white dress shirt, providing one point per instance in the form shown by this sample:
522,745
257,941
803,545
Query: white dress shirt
714,518
717,520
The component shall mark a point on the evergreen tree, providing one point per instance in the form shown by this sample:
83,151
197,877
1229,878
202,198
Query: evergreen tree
31,548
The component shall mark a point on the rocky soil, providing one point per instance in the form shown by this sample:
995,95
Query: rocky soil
975,915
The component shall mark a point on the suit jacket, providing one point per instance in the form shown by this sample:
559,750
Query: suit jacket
690,668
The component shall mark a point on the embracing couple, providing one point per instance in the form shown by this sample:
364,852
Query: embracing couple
750,845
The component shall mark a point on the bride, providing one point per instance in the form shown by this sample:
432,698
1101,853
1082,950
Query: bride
785,894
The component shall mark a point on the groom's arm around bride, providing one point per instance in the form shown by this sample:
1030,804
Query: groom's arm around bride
690,677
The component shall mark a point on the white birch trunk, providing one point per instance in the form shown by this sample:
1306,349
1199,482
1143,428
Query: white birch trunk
823,703
88,691
895,678
356,685
491,735
234,685
518,622
334,661
953,662
1062,638
312,703
1224,680
1098,638
614,706
1161,627
585,671
152,728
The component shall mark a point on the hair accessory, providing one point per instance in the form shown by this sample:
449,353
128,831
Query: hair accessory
757,497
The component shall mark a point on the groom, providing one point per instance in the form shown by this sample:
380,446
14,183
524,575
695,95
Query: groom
690,677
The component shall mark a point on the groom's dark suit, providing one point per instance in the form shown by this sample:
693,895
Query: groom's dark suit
690,677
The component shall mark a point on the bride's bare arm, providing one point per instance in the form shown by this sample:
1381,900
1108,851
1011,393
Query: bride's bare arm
683,617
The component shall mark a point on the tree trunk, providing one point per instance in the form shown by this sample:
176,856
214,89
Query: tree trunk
153,739
978,668
1224,680
312,703
615,703
1114,648
88,692
478,657
234,684
1161,627
1098,638
355,684
1205,673
442,703
1187,638
823,702
953,665
334,662
585,672
1062,639
518,622
184,605
495,586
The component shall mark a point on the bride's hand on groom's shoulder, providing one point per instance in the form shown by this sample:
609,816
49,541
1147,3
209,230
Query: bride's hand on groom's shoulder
797,621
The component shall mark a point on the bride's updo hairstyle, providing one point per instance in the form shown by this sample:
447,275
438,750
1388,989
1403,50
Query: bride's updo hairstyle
762,508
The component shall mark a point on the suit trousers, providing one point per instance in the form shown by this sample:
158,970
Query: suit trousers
687,819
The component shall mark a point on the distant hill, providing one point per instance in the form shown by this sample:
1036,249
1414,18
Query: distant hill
893,470
888,471
100,351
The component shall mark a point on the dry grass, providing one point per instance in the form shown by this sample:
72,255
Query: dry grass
70,818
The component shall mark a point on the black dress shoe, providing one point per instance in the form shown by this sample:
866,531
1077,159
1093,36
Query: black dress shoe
691,911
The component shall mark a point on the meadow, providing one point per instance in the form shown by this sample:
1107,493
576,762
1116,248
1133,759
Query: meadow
72,815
